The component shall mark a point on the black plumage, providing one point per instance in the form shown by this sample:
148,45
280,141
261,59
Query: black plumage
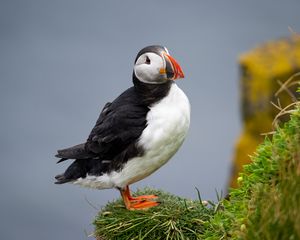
112,141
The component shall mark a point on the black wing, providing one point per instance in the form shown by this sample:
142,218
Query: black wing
116,131
80,151
118,127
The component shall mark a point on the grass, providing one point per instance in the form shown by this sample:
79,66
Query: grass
275,211
174,218
266,205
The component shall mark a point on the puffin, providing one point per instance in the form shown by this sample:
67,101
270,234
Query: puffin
135,134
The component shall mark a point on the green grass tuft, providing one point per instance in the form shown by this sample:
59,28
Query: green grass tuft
174,218
274,209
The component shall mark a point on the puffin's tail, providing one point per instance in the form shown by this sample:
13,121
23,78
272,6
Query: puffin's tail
60,179
80,168
76,170
75,152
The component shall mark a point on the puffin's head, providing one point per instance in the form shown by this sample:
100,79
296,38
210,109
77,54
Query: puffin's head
154,65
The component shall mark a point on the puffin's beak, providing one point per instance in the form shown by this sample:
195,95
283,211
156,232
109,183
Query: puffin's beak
173,69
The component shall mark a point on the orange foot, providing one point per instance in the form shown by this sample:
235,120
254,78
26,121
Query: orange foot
137,203
143,205
142,198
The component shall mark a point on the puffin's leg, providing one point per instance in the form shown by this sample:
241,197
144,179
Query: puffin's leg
125,198
139,198
135,204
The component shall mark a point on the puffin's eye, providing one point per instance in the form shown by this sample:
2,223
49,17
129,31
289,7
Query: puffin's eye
147,60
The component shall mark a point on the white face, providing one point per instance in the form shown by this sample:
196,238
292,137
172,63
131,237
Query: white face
148,68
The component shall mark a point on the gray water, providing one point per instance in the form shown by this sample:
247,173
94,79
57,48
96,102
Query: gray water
62,60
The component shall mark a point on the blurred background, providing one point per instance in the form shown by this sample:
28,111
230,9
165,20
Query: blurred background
62,60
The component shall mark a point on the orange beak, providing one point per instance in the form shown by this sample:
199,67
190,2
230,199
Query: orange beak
176,71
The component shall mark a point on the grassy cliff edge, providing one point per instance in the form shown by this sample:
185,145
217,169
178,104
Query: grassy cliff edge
266,205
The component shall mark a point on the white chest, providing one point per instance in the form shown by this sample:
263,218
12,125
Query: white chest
168,123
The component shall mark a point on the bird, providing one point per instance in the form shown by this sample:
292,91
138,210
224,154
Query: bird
135,134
